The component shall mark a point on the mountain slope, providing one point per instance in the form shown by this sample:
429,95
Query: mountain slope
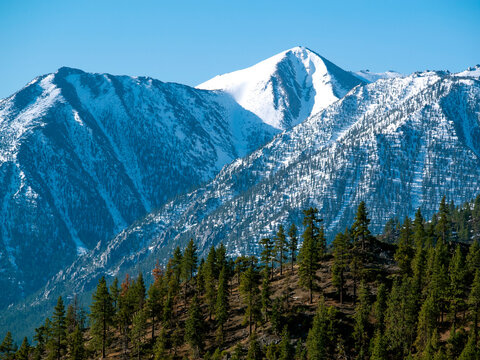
287,88
370,77
82,156
397,144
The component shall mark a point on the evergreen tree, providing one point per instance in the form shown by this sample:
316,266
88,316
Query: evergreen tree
222,305
405,251
457,283
361,330
155,302
427,322
160,348
266,294
249,291
115,294
311,250
380,307
24,351
443,227
360,230
8,347
473,258
76,346
285,349
379,346
470,351
59,335
189,261
321,335
210,280
254,349
41,338
292,243
101,316
340,263
267,255
276,317
474,304
138,331
139,292
401,317
280,248
194,327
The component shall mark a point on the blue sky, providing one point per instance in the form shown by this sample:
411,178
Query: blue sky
192,41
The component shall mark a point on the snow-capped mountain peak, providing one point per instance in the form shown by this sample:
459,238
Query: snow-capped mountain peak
369,77
286,88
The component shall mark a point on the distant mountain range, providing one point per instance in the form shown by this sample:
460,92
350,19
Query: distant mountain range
106,174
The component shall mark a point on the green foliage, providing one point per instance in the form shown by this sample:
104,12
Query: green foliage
405,251
341,260
267,255
254,349
222,304
101,316
361,329
292,243
312,250
250,294
194,327
76,345
7,347
280,248
320,340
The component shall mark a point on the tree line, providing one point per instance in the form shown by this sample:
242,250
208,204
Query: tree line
416,299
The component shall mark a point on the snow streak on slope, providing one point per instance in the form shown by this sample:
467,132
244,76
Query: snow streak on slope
82,156
370,77
286,88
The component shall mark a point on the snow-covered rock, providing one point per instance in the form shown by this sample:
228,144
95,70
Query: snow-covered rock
285,89
370,77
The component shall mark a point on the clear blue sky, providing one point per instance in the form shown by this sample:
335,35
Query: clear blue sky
191,41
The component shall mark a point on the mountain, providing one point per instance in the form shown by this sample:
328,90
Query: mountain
398,144
82,156
473,71
369,77
285,89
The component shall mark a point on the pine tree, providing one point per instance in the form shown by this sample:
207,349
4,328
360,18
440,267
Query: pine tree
189,261
222,305
280,248
360,230
194,327
266,294
101,315
210,280
427,322
405,251
361,330
321,335
473,259
292,243
155,302
444,227
470,351
24,351
379,346
310,251
474,304
138,331
249,291
380,307
59,335
401,317
285,349
160,348
41,338
254,349
8,347
276,316
457,283
115,294
139,293
267,255
76,345
340,263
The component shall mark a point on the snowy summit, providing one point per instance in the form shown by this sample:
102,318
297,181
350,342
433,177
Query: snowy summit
286,88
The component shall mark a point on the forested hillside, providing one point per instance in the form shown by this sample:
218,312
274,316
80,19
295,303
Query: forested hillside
412,292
